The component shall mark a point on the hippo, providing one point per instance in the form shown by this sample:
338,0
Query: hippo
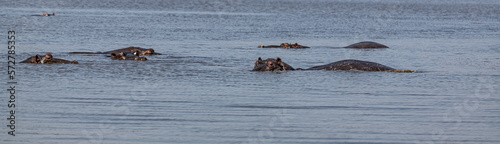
125,56
53,14
34,59
271,65
276,65
47,59
138,50
366,45
285,46
352,64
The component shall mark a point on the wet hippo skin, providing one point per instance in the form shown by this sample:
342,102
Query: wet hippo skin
285,46
47,59
277,64
367,45
138,50
126,56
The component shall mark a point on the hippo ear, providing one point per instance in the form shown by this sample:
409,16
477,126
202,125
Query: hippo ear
260,59
278,60
36,59
48,55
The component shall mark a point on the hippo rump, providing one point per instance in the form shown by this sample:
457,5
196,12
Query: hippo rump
285,46
138,50
351,64
275,65
366,45
126,56
47,59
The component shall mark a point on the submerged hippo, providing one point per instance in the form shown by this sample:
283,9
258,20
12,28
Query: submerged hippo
125,56
278,65
285,46
47,59
271,65
53,14
138,50
366,45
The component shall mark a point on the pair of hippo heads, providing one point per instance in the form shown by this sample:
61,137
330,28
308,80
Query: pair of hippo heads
276,65
126,56
47,59
359,45
285,46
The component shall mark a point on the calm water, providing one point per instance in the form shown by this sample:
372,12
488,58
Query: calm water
201,89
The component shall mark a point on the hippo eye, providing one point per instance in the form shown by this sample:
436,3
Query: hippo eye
270,64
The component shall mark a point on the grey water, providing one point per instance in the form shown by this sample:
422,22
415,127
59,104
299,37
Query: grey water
201,90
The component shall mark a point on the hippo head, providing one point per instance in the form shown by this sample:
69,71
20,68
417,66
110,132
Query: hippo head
271,65
46,59
148,52
286,45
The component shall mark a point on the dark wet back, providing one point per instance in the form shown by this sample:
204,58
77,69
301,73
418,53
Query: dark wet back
61,61
366,45
352,65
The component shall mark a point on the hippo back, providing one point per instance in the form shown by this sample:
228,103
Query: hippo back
352,65
62,61
366,45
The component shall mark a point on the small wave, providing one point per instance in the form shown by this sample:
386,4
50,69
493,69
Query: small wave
319,107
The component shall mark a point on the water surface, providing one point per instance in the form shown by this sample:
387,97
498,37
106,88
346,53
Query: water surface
202,90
